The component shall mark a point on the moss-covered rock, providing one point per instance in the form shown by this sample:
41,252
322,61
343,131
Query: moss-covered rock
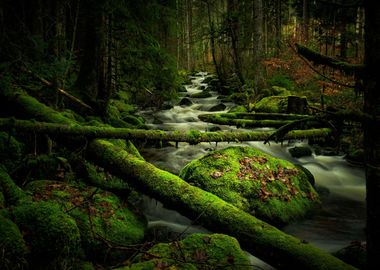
12,246
272,104
282,104
100,217
270,188
51,235
197,251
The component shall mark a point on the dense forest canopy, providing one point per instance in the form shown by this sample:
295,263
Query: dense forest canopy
98,62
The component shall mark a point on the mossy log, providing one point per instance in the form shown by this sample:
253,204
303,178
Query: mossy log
320,59
254,120
258,237
192,136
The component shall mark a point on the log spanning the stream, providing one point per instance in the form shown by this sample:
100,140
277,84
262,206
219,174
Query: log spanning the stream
252,120
192,136
259,238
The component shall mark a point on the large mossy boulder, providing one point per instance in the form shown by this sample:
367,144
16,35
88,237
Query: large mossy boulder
52,236
11,151
282,104
102,217
272,189
13,248
197,251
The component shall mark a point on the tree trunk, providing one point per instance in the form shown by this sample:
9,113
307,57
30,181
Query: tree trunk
212,42
306,20
257,237
192,137
233,30
372,131
189,34
258,45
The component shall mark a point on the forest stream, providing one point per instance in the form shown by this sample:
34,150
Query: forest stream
341,218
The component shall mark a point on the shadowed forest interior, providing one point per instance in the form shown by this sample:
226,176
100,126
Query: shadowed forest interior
189,134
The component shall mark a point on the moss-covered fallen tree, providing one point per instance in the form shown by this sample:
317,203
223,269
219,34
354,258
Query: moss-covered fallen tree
192,136
260,238
320,59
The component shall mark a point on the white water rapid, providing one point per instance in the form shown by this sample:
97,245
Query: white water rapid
341,218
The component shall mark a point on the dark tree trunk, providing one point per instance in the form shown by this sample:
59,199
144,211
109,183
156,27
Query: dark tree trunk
372,131
258,45
233,30
94,68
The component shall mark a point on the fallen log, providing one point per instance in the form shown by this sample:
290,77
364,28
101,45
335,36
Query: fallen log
320,59
257,237
192,136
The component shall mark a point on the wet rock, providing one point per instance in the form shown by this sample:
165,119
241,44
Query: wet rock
218,107
354,254
203,94
185,102
300,151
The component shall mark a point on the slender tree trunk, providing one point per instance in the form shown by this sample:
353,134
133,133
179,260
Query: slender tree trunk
278,28
233,29
372,131
212,42
189,34
343,37
258,45
306,20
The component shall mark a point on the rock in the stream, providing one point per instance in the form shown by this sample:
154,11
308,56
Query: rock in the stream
300,151
272,189
185,102
218,107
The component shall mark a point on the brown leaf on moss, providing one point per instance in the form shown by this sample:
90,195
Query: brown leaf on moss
216,174
200,256
260,160
312,196
231,259
264,194
292,190
207,239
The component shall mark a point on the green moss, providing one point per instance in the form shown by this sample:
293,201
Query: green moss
270,188
52,236
12,246
272,104
11,151
197,251
99,215
12,193
2,199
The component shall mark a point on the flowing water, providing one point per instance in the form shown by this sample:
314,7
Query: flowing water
342,187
